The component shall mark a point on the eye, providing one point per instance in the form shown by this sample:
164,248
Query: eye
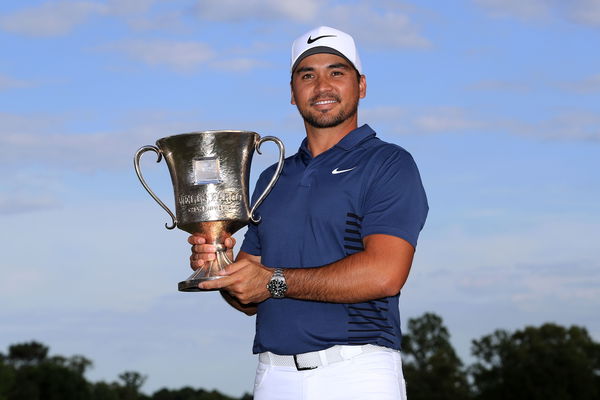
337,73
307,76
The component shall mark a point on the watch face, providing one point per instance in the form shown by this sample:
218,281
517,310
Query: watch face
277,287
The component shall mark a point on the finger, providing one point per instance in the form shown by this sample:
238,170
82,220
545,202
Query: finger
196,239
229,242
215,283
203,256
204,248
196,263
233,268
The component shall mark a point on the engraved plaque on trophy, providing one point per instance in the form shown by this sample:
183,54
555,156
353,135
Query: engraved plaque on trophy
210,172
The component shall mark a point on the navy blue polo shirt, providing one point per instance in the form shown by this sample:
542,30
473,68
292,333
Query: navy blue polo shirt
318,213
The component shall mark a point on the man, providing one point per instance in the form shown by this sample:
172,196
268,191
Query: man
323,269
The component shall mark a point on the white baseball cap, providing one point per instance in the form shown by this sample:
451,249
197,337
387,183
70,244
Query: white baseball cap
325,40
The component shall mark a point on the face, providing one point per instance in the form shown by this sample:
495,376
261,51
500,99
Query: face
325,89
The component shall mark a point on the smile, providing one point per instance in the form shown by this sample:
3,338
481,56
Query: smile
318,103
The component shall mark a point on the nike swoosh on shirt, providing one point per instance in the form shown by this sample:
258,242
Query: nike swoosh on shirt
311,40
341,171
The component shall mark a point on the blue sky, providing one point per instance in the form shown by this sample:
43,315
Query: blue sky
497,100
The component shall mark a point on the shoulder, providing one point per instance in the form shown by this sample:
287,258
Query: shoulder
382,154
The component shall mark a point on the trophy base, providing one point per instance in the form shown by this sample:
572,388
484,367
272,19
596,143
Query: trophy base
206,273
191,285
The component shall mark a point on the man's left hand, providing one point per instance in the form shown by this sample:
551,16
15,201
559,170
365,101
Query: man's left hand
245,280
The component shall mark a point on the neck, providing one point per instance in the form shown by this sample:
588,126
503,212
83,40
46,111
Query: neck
322,139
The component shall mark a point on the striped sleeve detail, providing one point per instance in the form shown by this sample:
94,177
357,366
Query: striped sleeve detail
352,234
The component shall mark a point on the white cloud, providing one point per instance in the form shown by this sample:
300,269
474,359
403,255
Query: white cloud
590,84
575,125
517,8
187,57
28,189
542,282
376,27
579,11
541,253
446,119
24,203
500,85
238,10
531,285
166,21
375,23
239,64
425,120
182,56
585,11
42,142
86,152
37,140
566,125
12,123
127,7
51,18
7,82
61,17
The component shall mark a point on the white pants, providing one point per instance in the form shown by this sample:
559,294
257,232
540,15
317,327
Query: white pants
369,376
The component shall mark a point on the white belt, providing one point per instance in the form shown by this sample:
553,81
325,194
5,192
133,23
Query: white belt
315,359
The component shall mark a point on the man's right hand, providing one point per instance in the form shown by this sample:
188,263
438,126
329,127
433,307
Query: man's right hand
203,252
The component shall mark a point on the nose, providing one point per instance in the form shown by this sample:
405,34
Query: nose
323,84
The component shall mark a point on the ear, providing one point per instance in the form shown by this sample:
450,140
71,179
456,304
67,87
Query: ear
362,86
292,99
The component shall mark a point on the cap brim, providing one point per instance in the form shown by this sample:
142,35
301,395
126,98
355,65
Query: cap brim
319,50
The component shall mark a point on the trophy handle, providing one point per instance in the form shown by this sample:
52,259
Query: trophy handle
275,175
138,171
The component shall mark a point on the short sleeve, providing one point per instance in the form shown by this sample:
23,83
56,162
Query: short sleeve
395,202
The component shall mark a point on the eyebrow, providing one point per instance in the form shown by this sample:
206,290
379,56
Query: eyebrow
303,69
331,66
339,65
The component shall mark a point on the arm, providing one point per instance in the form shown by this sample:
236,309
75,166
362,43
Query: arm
379,270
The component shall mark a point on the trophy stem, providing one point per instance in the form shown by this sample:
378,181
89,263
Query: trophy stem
208,272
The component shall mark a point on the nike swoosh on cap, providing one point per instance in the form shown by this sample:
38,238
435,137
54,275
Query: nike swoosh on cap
341,171
311,40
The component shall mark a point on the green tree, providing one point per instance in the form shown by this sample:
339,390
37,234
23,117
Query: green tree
30,353
7,377
188,393
132,382
27,373
432,369
549,362
104,391
48,381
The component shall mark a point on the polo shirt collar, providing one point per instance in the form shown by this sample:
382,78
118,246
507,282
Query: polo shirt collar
352,139
356,137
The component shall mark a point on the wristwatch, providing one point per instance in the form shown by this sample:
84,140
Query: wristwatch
277,286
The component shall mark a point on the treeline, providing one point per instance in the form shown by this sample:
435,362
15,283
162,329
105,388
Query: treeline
28,373
535,363
545,362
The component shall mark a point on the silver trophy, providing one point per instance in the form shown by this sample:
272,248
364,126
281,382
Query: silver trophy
209,171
